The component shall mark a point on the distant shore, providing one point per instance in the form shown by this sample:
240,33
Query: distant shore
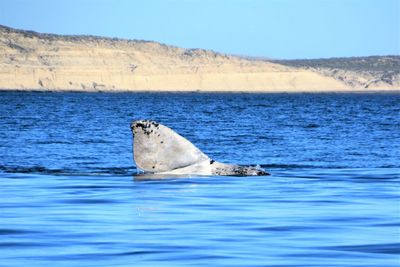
49,62
393,91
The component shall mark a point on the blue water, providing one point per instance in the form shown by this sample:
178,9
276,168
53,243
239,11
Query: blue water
70,194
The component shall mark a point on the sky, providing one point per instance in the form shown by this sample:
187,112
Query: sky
277,29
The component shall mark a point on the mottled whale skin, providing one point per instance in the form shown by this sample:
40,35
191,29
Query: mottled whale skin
160,150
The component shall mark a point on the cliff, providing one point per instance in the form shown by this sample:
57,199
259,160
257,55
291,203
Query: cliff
36,61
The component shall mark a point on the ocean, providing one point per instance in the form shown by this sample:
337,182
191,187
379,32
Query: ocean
70,193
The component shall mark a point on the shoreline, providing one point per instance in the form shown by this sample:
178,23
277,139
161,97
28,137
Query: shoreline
377,91
45,62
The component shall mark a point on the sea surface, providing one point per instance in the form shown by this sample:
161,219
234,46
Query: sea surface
70,193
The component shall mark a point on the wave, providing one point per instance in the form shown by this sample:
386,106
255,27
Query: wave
119,171
305,166
287,170
293,166
51,142
390,248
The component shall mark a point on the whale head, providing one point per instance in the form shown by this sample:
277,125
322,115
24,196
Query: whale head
157,148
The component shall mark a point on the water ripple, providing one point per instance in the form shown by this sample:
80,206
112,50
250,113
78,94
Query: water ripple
71,195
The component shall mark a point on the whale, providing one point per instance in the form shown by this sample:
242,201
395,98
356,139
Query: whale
157,149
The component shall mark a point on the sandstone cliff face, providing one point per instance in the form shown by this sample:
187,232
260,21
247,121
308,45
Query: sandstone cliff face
30,60
378,72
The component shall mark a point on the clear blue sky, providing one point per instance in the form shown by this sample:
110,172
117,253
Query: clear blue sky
267,28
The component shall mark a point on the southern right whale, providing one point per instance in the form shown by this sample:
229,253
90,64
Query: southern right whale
158,149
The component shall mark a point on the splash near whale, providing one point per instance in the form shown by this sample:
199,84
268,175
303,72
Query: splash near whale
160,150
